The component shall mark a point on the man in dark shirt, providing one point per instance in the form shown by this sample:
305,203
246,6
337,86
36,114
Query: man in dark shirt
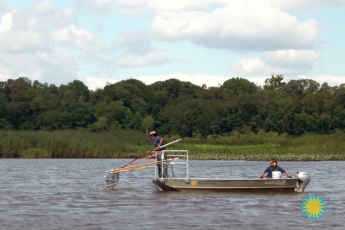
157,143
273,167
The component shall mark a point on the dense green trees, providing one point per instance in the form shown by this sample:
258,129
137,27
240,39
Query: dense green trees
175,107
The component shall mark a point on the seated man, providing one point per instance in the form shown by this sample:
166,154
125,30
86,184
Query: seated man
273,167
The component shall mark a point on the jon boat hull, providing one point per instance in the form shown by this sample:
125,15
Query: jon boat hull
248,185
297,183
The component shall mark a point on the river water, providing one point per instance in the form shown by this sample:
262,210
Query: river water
61,194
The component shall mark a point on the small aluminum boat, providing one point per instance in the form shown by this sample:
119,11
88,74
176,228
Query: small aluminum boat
297,183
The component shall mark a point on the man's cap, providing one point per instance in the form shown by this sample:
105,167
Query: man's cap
152,132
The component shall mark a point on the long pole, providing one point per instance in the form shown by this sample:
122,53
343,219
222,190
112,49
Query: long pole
173,142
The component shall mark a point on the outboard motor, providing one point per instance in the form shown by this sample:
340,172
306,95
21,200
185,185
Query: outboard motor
303,180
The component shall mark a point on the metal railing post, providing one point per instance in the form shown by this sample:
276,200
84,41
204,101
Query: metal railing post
164,160
162,164
187,166
156,166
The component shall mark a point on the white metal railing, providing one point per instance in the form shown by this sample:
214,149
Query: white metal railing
168,162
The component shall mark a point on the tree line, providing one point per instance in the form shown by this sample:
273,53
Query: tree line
174,107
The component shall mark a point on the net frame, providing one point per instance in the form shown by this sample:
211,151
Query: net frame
112,179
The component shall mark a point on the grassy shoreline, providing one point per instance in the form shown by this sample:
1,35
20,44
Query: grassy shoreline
129,144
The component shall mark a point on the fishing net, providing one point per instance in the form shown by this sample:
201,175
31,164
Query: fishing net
112,178
112,181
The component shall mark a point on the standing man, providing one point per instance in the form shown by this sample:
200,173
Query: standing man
157,143
271,168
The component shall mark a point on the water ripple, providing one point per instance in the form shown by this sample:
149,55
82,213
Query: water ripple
60,194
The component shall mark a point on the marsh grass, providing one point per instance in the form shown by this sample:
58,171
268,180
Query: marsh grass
130,144
70,144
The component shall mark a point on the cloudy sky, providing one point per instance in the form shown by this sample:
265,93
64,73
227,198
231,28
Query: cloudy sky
200,41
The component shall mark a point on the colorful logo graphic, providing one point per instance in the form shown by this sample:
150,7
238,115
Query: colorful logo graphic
313,207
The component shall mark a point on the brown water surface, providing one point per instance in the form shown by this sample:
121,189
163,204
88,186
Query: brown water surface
60,194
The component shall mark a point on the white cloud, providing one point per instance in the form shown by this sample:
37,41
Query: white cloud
249,66
138,50
38,65
332,80
130,7
292,59
5,22
182,5
3,6
134,7
241,25
154,57
30,29
140,41
256,66
305,4
77,37
277,62
23,33
43,7
197,79
94,82
39,41
64,17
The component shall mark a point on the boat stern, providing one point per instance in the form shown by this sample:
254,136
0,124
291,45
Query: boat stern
303,180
